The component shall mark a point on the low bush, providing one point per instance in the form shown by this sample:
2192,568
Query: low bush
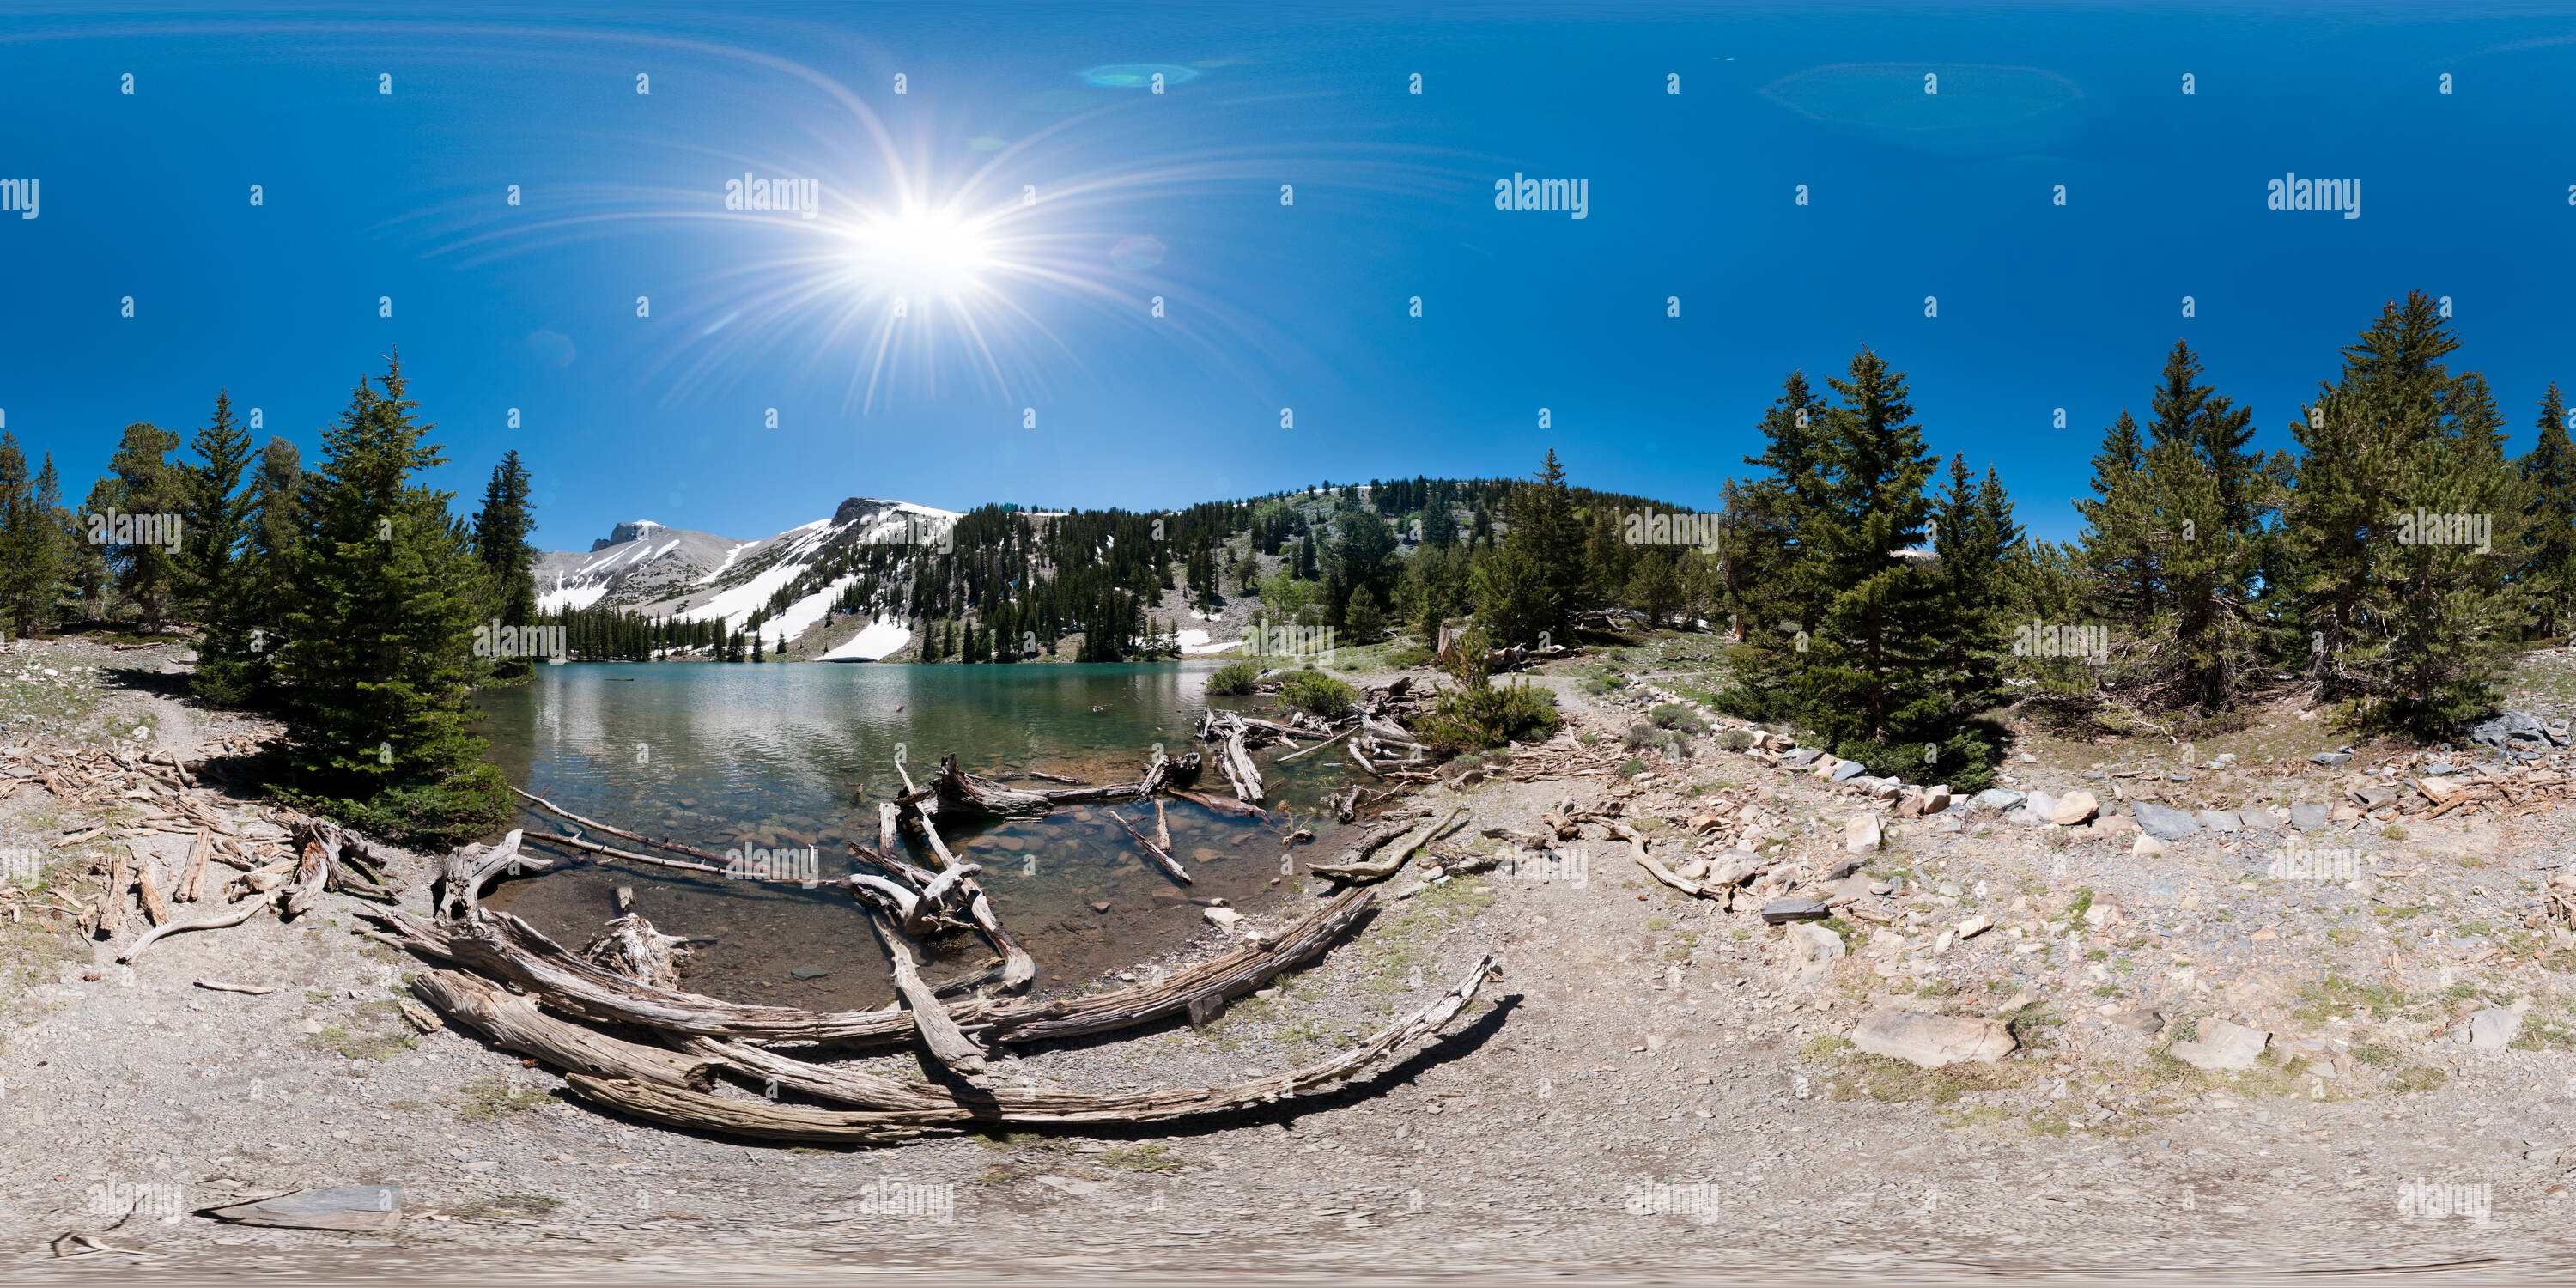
1235,678
1318,694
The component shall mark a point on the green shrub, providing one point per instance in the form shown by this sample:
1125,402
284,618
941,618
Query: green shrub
1679,718
1317,693
1646,737
1736,739
1631,767
1408,657
1234,678
1475,719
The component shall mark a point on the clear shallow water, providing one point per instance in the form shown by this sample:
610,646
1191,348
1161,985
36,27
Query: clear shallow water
795,755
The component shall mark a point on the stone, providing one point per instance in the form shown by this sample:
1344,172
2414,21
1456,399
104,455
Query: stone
1693,870
1932,1041
2260,820
2165,824
1936,798
1731,867
1849,769
2308,818
1815,942
2103,912
2345,813
2223,1044
2331,758
1783,910
2116,825
2143,1022
1221,917
341,1207
807,972
2220,820
1800,759
2025,816
1994,798
2074,808
2492,1029
1948,824
1975,926
2518,725
2437,789
1861,835
1852,889
2146,844
2041,804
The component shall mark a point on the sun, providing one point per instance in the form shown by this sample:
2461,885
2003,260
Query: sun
919,254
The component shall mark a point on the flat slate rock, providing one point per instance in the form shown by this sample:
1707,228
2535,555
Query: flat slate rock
1780,910
2308,818
2221,820
2223,1044
2331,758
1849,769
342,1207
2492,1029
1799,759
1933,1040
2163,823
1994,798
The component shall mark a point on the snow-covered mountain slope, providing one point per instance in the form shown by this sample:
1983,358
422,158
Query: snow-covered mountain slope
648,568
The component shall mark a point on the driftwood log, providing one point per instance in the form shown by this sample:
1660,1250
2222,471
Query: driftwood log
1153,851
886,1100
507,948
663,843
940,1035
458,887
514,1023
247,909
1355,864
632,947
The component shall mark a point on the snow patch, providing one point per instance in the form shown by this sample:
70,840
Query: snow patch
563,597
874,641
1195,642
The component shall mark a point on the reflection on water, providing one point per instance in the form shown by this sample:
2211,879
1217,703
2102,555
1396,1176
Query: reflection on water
790,756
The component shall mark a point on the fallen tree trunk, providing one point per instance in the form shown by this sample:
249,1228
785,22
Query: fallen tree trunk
507,948
1237,763
1152,850
659,843
982,795
939,1034
1220,804
464,872
887,1100
631,946
1363,868
612,852
515,1024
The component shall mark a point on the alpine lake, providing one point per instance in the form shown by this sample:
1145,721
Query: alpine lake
792,758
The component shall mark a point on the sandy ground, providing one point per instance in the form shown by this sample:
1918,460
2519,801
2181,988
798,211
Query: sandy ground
1654,1091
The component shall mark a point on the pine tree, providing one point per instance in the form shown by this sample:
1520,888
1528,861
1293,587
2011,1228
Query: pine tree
1867,672
213,567
2121,547
1768,602
1546,528
2547,578
378,656
32,540
1976,541
2403,622
2210,497
501,531
142,482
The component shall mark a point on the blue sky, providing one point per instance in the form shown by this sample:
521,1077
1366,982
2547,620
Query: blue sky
369,195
